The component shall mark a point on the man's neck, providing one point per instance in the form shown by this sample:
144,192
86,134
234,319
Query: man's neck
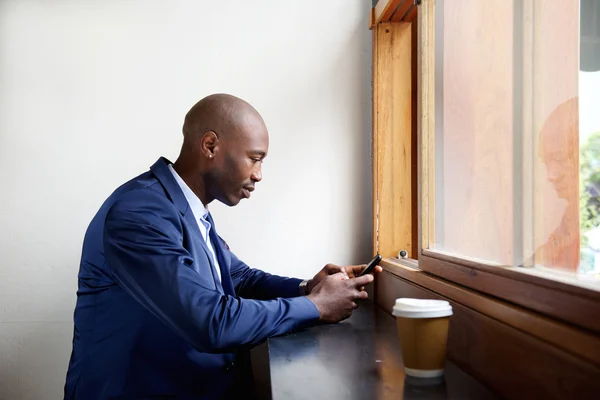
196,185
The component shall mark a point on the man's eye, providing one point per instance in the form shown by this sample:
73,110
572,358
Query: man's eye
255,160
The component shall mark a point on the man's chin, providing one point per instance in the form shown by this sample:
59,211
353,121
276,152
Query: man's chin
231,201
563,192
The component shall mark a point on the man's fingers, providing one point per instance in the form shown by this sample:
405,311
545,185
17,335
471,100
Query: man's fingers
334,269
362,280
339,275
362,295
350,271
345,272
355,270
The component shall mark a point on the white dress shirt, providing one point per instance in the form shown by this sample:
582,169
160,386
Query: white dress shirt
200,215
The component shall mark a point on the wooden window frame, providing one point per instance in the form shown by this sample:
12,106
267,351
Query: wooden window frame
403,173
501,315
394,11
526,287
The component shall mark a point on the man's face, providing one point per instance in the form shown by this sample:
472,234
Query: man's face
560,158
238,164
558,167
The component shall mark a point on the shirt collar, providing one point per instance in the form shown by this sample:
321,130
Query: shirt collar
195,204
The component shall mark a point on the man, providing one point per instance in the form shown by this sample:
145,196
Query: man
559,150
164,309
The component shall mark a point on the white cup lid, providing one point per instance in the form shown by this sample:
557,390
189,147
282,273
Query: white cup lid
419,308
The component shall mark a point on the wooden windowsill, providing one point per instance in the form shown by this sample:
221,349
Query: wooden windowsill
517,352
557,300
578,342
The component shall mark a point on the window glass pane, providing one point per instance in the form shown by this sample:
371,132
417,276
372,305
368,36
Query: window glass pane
517,135
474,129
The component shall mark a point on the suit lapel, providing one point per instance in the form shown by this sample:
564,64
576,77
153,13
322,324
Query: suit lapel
191,221
160,169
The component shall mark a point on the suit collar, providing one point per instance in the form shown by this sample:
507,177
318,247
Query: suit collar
160,169
199,210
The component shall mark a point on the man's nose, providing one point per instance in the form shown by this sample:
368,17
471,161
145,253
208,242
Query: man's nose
257,174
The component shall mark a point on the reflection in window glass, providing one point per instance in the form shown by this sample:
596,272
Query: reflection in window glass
517,142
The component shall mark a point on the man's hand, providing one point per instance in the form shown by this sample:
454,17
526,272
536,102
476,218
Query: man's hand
349,271
335,296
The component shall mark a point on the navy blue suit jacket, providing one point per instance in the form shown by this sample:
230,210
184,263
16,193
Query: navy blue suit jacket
152,318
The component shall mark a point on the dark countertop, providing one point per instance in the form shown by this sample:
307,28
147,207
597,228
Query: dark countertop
359,358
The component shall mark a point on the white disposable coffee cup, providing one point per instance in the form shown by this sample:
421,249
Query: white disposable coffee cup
423,333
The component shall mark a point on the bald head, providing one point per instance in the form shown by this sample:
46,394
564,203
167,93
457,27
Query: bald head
562,127
224,114
225,142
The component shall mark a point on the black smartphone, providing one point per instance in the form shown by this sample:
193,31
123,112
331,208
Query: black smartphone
371,265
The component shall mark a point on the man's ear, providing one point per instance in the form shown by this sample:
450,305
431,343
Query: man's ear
209,144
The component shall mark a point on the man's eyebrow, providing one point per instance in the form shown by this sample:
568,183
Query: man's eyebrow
258,153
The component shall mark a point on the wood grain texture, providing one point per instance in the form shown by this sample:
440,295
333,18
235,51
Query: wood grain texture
402,11
410,16
575,305
392,140
512,362
426,121
384,10
374,169
416,250
578,342
517,365
515,273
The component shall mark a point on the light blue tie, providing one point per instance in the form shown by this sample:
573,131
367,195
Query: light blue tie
206,224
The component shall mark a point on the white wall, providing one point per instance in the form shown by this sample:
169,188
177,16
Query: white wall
92,92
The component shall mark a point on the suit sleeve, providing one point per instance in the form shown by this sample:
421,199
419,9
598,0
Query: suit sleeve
256,284
143,246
